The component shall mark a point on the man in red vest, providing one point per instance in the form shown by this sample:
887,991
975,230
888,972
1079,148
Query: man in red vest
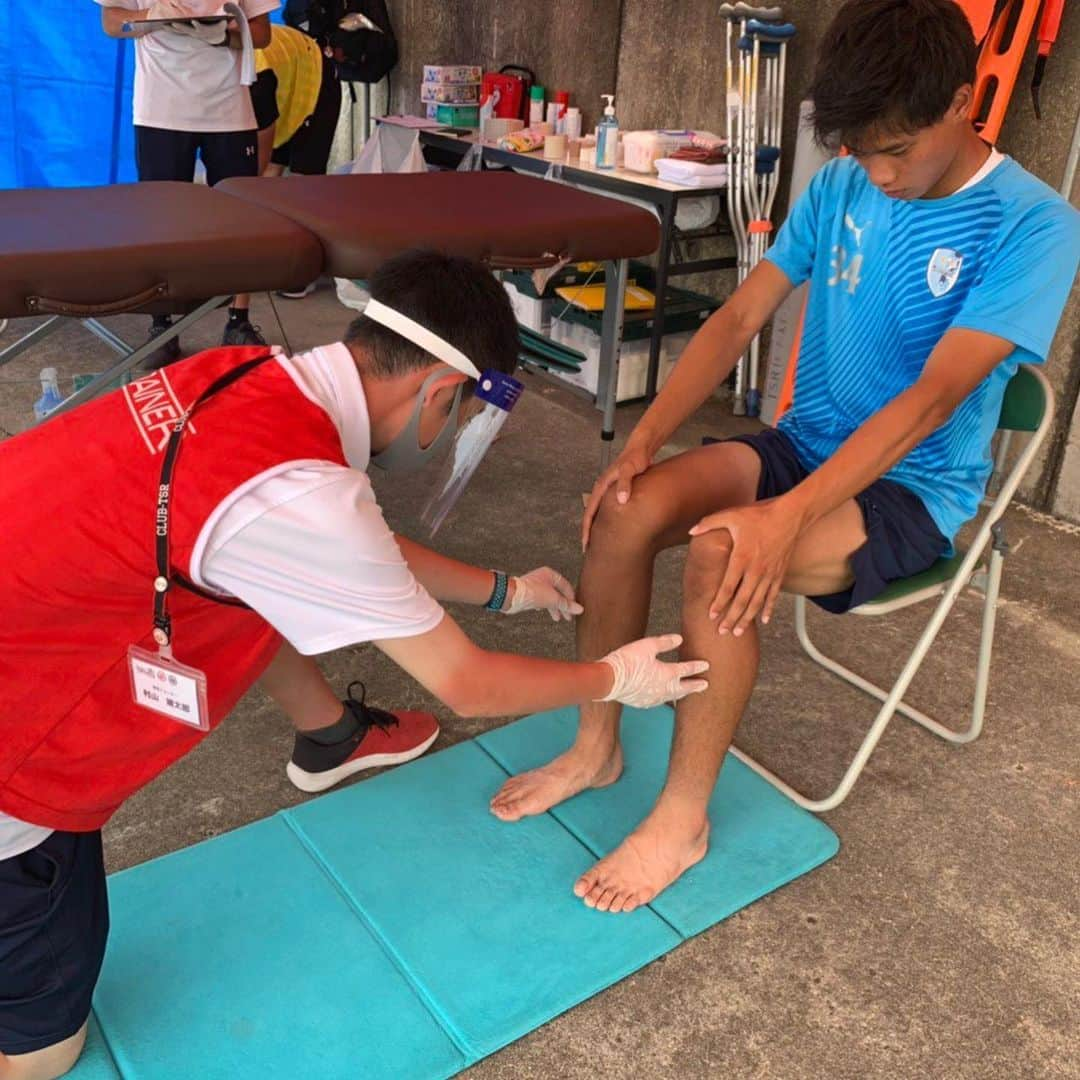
210,525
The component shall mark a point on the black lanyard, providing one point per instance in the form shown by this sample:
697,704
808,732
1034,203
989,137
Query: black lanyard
165,577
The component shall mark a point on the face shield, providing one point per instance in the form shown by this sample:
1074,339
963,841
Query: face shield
496,394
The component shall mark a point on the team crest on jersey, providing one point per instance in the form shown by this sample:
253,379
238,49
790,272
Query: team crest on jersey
943,270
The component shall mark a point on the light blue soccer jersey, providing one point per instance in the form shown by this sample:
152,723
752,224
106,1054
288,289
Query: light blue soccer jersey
888,279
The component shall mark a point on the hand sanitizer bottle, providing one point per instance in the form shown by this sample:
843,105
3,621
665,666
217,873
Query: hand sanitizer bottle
50,394
607,136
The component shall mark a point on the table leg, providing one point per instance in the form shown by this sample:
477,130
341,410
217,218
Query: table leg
656,341
611,331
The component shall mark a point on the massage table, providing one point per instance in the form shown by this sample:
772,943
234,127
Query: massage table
184,249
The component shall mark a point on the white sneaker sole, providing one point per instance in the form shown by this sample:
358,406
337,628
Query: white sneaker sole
313,782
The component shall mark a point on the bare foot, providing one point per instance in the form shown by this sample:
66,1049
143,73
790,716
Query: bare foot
537,791
655,854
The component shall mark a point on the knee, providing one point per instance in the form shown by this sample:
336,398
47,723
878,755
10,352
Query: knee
633,526
706,563
47,1064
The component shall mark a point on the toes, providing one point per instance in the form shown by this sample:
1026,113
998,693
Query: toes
592,897
584,884
607,898
508,810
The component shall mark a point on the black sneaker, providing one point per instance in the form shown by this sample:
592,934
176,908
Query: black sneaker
380,738
163,355
242,333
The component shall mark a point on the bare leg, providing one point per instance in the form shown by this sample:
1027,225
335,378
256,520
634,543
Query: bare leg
45,1064
675,834
615,589
298,686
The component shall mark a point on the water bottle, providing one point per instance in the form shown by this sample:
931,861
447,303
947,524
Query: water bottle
50,394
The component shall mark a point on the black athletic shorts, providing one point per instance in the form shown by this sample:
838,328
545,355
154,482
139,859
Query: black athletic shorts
54,919
308,151
901,537
161,154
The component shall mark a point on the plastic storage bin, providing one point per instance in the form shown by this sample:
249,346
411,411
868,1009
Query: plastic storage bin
642,149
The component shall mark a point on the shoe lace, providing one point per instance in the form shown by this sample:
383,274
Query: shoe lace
365,714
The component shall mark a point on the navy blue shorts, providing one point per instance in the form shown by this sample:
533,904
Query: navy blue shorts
901,537
161,154
54,919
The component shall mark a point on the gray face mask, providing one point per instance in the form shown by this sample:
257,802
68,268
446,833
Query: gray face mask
404,453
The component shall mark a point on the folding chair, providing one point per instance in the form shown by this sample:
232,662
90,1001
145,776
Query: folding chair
1028,406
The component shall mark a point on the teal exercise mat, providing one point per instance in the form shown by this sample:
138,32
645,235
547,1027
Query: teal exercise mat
481,915
760,839
240,958
396,929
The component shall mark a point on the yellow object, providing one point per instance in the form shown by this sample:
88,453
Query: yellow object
297,63
591,297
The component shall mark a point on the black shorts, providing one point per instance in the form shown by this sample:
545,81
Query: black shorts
161,154
54,919
901,537
308,151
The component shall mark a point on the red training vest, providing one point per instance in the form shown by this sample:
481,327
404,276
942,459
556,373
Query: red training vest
77,503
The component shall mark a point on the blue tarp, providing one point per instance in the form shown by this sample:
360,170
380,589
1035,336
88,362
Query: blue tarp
65,97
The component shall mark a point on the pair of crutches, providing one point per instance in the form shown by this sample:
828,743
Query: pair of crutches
754,62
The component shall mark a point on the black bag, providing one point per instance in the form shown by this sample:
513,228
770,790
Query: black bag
361,55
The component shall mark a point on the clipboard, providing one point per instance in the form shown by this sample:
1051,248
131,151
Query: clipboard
205,20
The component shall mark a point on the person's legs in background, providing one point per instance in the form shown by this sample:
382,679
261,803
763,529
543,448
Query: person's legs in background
308,151
226,154
164,155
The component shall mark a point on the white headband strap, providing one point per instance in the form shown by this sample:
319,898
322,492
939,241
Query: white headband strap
422,336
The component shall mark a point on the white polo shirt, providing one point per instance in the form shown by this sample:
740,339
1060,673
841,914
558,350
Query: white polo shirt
306,546
185,84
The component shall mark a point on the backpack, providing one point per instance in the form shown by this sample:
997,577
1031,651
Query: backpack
361,55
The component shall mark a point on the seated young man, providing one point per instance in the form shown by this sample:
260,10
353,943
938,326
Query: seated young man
937,265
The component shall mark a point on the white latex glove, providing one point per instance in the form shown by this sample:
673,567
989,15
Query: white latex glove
211,33
643,680
544,590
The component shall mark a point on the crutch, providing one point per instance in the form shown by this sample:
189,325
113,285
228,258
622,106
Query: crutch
767,45
755,128
736,75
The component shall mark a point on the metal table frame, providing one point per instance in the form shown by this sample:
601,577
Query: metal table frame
665,200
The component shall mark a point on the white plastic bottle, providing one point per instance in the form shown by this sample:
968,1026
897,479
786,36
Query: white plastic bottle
50,394
607,136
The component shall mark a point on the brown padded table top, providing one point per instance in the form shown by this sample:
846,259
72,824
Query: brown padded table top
105,246
507,219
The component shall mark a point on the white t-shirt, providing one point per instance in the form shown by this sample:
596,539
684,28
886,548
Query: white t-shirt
306,545
185,84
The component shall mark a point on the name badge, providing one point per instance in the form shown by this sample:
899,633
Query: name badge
164,685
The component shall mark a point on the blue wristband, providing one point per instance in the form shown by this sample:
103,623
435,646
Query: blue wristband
498,594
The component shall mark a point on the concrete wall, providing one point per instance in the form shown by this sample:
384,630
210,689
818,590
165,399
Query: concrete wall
663,58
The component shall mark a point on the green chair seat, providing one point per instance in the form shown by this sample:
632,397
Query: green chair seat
940,573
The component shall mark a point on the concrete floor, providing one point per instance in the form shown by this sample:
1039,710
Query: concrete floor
942,940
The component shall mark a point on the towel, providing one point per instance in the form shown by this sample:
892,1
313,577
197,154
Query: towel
691,173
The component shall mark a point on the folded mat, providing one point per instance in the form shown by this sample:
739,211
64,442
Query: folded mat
395,928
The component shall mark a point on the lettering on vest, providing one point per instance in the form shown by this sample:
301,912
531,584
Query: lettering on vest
155,409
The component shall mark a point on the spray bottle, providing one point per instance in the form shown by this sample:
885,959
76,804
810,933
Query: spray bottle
50,394
607,136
